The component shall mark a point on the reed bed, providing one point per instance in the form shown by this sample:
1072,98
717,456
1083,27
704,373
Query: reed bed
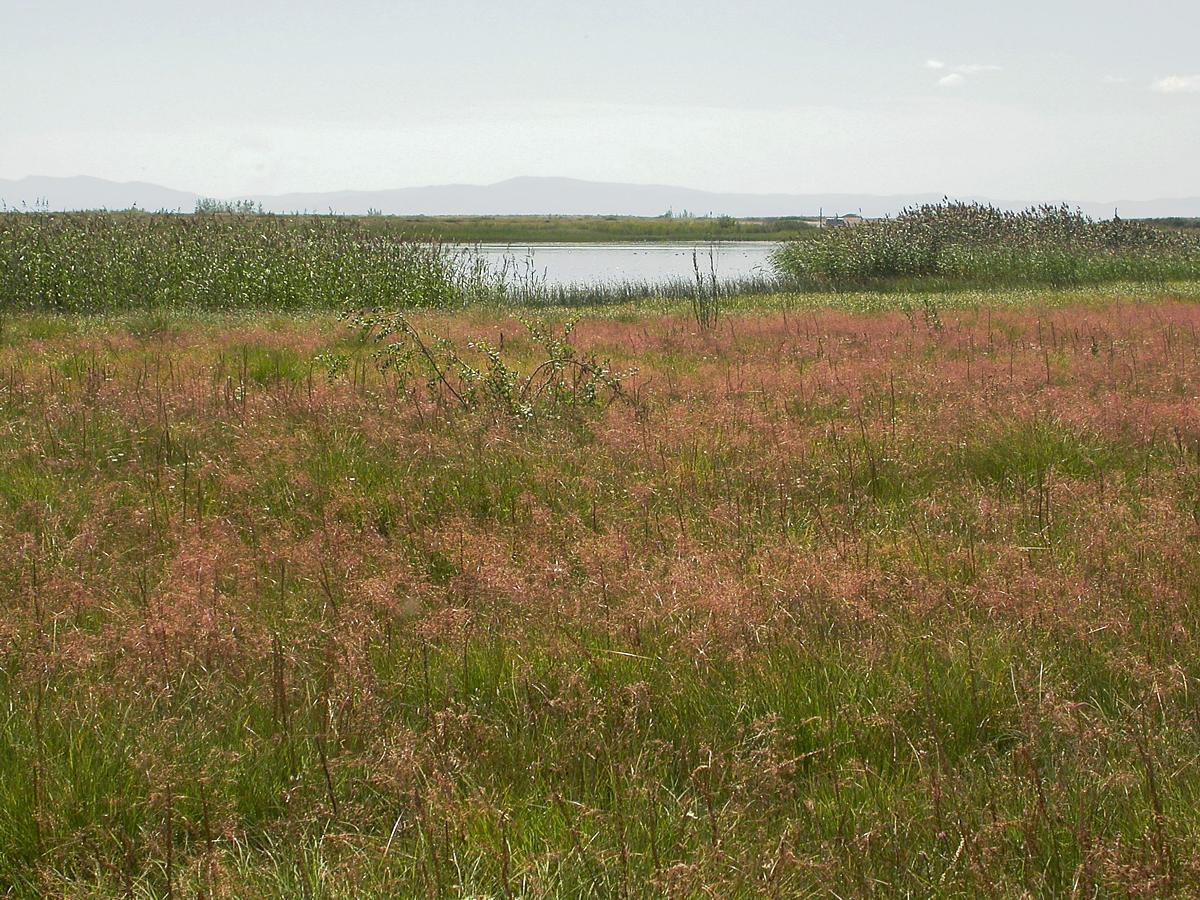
108,262
957,244
889,604
96,262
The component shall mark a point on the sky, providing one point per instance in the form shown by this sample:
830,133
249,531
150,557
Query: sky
1045,100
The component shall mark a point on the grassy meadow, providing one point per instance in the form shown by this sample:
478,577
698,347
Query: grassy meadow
863,594
591,229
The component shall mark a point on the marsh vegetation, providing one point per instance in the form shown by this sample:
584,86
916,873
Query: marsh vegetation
962,244
381,591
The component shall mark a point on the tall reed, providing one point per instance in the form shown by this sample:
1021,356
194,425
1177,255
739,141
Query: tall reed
963,243
95,262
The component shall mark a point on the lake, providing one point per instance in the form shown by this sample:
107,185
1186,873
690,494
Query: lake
564,265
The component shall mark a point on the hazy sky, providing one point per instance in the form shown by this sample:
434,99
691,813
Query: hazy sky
1021,99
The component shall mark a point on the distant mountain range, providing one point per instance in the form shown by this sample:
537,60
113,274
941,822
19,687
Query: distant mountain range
525,196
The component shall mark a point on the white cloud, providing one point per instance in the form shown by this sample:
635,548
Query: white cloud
956,75
1177,84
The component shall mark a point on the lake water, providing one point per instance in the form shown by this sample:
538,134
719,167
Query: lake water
563,265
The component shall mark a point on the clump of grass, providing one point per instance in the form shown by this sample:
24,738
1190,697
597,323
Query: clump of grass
483,374
706,302
971,244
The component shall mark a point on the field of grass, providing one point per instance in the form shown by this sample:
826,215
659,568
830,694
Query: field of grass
589,229
866,594
1175,223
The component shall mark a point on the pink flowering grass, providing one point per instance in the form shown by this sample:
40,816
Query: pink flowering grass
888,603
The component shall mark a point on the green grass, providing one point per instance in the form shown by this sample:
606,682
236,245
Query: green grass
915,303
1175,223
96,262
163,265
588,229
964,245
852,599
777,732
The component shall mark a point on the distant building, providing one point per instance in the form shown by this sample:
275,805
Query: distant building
844,221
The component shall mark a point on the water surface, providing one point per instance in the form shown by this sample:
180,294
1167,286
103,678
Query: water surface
565,265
